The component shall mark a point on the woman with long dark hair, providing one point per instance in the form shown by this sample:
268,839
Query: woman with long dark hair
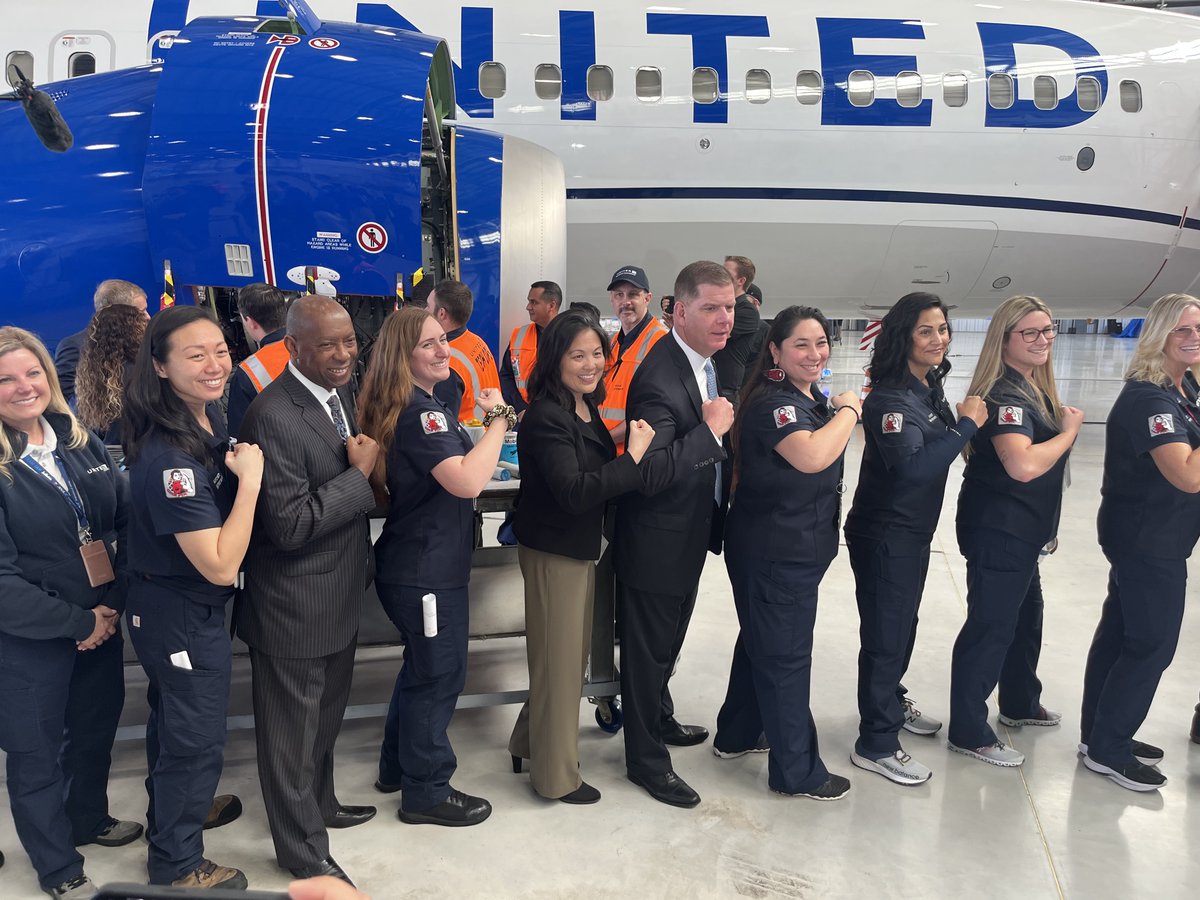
423,557
63,514
105,367
912,437
780,537
569,471
1008,512
1149,523
193,501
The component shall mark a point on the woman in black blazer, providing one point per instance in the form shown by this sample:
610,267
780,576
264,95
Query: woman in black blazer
569,470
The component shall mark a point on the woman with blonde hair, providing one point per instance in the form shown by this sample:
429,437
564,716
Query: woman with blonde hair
1149,523
105,367
1008,512
62,587
432,473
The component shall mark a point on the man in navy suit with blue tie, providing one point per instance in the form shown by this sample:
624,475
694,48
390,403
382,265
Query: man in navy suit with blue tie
664,533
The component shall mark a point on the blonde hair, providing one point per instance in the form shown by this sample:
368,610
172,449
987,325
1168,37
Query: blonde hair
990,368
388,386
1148,359
12,339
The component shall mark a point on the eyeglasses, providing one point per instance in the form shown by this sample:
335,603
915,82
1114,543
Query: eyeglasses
1029,335
1185,331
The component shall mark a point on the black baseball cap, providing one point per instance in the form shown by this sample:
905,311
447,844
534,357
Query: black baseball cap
632,274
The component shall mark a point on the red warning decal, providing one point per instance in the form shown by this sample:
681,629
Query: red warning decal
324,43
372,237
285,40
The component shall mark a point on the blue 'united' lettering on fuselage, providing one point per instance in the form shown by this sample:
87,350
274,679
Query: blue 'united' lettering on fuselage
838,60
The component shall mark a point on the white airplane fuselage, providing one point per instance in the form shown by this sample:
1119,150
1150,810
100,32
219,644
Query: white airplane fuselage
1084,191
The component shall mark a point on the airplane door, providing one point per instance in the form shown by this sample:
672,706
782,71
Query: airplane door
943,257
75,53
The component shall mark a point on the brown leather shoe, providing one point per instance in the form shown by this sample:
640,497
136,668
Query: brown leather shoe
209,875
225,808
1196,725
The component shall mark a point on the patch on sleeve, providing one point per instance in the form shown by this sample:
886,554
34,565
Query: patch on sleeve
893,423
434,423
179,484
785,415
1010,415
1162,424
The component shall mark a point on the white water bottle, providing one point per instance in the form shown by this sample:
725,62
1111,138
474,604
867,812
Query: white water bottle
429,614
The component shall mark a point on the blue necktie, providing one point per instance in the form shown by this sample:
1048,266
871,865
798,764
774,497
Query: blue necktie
710,385
339,421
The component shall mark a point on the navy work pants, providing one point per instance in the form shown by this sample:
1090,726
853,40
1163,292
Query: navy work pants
889,577
185,732
770,677
652,628
416,752
58,717
1001,639
1133,645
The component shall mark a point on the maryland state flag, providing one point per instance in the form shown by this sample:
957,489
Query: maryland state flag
168,295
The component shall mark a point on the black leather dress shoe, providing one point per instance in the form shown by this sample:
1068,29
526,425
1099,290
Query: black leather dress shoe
225,808
1196,725
683,735
384,788
349,816
457,810
668,788
327,866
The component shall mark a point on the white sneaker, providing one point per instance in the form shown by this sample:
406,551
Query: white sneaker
917,722
899,767
997,754
1044,717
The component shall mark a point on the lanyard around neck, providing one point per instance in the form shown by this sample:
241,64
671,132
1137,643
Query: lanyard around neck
69,492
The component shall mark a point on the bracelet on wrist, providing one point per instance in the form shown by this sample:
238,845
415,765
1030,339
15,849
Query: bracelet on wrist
501,411
857,414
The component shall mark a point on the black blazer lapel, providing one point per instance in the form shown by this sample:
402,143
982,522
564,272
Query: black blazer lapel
687,376
315,417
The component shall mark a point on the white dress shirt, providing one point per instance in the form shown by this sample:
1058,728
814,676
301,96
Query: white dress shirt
321,393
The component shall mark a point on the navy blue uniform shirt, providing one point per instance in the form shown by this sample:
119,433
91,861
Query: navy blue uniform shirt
1141,512
911,439
174,493
429,535
990,498
778,512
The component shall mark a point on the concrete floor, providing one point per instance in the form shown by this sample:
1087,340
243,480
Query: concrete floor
1049,829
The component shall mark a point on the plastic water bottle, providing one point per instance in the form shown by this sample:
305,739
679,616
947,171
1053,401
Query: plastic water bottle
826,382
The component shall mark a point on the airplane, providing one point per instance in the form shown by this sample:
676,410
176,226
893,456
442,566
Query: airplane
855,152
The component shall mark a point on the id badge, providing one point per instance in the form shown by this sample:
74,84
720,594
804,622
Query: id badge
96,563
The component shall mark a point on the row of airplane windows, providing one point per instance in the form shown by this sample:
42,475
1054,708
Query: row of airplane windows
910,87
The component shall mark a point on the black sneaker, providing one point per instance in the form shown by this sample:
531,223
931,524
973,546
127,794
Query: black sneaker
1146,754
835,788
1133,776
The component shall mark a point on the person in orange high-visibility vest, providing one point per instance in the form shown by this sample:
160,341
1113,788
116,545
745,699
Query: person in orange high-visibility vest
452,303
544,301
263,311
630,294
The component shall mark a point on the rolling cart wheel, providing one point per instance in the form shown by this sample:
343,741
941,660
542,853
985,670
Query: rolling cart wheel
608,715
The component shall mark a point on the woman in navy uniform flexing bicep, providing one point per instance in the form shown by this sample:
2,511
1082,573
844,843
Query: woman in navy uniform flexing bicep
193,501
63,512
911,439
780,537
1008,513
433,474
1149,522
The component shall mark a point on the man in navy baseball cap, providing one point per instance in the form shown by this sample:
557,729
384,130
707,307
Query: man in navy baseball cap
633,275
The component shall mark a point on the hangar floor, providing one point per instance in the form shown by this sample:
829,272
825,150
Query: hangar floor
1049,829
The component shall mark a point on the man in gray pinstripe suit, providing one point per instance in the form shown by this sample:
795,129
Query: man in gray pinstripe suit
306,571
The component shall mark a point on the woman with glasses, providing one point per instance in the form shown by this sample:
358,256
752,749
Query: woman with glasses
1149,523
1008,512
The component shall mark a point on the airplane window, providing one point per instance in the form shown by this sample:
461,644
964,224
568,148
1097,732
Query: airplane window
1087,93
808,87
81,64
758,85
908,89
1000,91
861,88
954,89
600,83
493,81
648,83
547,81
704,85
21,59
1131,96
1045,92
